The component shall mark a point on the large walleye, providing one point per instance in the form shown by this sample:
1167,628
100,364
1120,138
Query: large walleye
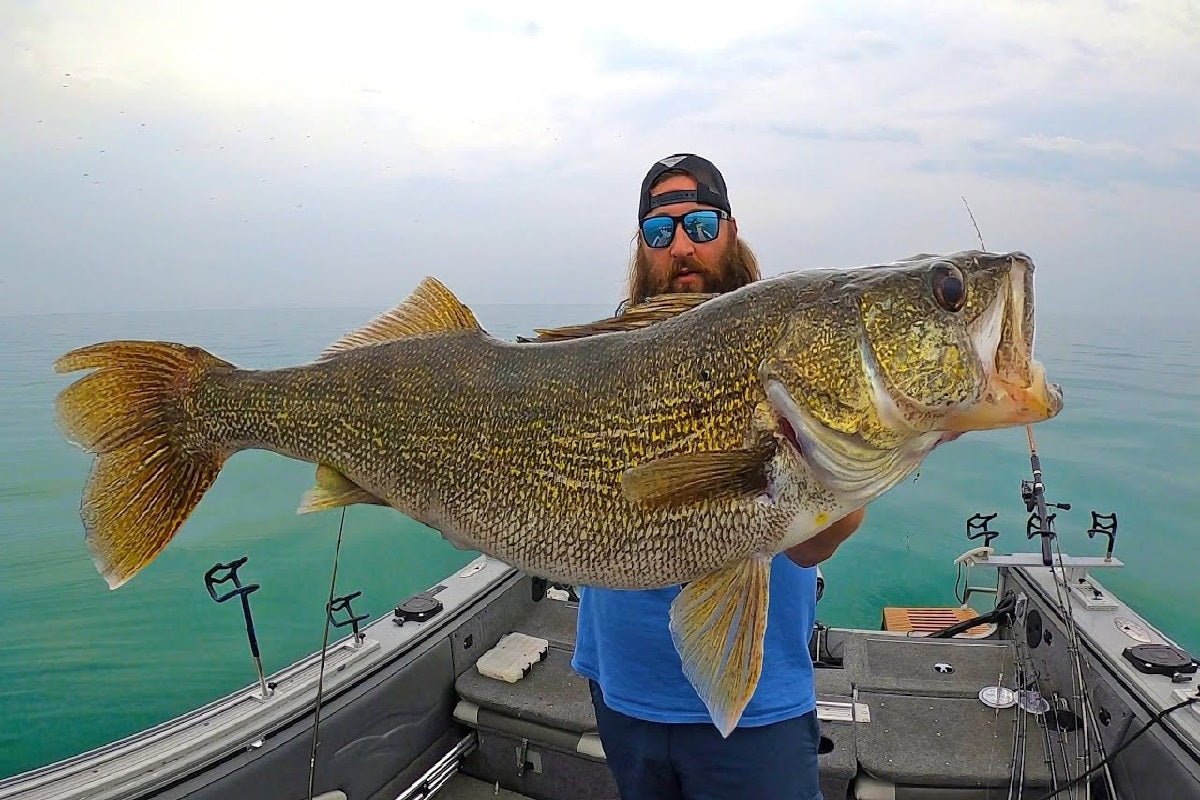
684,442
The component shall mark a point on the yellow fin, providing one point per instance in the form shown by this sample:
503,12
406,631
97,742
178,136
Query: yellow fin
639,316
717,624
430,308
334,490
135,414
691,477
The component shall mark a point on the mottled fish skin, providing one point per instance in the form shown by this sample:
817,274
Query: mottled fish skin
685,441
518,449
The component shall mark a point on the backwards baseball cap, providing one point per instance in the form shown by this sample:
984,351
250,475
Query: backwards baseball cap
710,185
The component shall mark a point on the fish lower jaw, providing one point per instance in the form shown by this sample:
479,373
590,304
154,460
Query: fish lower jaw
1005,404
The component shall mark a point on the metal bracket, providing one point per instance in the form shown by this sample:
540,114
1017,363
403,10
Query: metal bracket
1078,583
1184,694
836,711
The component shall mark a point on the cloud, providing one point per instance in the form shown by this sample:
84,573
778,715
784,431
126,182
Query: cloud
819,134
1090,165
282,153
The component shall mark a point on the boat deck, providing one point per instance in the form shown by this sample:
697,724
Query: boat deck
408,715
463,787
900,712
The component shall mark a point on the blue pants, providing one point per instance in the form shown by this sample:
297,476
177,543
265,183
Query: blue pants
659,761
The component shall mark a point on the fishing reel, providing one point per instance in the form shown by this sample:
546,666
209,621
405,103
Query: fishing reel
1040,522
1029,496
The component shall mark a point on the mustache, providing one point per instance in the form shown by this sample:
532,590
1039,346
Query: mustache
687,264
677,267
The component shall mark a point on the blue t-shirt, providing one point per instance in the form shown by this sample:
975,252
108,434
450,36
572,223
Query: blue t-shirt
623,642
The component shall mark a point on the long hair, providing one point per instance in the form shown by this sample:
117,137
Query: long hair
738,266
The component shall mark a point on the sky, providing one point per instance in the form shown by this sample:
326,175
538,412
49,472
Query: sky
260,154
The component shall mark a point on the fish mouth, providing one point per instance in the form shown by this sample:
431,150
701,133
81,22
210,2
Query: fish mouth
1007,404
1016,391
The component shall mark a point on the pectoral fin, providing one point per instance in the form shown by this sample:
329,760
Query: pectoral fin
717,624
334,490
691,477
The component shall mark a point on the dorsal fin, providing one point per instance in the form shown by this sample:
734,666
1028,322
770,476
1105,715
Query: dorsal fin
430,308
639,316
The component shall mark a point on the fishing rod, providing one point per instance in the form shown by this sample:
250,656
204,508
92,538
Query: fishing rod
1041,523
312,756
1034,494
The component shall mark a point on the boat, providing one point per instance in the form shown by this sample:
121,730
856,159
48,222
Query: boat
465,691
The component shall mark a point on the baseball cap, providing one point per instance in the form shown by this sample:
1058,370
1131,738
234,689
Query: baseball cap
710,185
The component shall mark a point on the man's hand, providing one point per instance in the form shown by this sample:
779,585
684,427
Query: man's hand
813,551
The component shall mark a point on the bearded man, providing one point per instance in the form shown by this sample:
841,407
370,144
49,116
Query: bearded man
658,737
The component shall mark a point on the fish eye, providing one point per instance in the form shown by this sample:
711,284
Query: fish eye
949,286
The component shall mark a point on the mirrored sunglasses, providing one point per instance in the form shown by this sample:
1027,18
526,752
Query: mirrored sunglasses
703,225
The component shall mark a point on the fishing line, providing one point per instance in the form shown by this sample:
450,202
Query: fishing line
1155,720
1084,697
312,756
1078,686
972,216
1034,678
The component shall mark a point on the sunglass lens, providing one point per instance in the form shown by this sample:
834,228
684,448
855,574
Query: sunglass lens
702,226
658,231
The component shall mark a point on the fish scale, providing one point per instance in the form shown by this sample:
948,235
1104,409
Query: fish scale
685,441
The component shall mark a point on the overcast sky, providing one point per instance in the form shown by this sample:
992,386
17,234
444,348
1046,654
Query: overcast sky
245,154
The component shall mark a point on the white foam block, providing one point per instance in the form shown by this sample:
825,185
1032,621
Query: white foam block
512,657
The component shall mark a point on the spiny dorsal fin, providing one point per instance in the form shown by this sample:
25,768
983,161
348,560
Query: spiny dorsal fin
430,308
639,316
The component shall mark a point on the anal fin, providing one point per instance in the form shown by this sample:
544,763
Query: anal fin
334,490
718,623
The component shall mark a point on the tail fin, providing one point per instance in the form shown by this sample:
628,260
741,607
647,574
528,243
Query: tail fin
151,467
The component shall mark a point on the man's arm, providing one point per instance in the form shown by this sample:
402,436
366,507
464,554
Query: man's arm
813,551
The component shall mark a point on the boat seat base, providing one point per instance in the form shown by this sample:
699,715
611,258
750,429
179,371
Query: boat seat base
529,727
537,734
464,787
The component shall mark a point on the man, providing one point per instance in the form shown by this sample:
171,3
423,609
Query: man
657,735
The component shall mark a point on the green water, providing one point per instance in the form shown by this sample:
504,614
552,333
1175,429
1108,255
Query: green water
81,665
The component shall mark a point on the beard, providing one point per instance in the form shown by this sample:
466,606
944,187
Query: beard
719,277
734,267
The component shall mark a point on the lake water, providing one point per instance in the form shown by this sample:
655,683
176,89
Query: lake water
82,665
